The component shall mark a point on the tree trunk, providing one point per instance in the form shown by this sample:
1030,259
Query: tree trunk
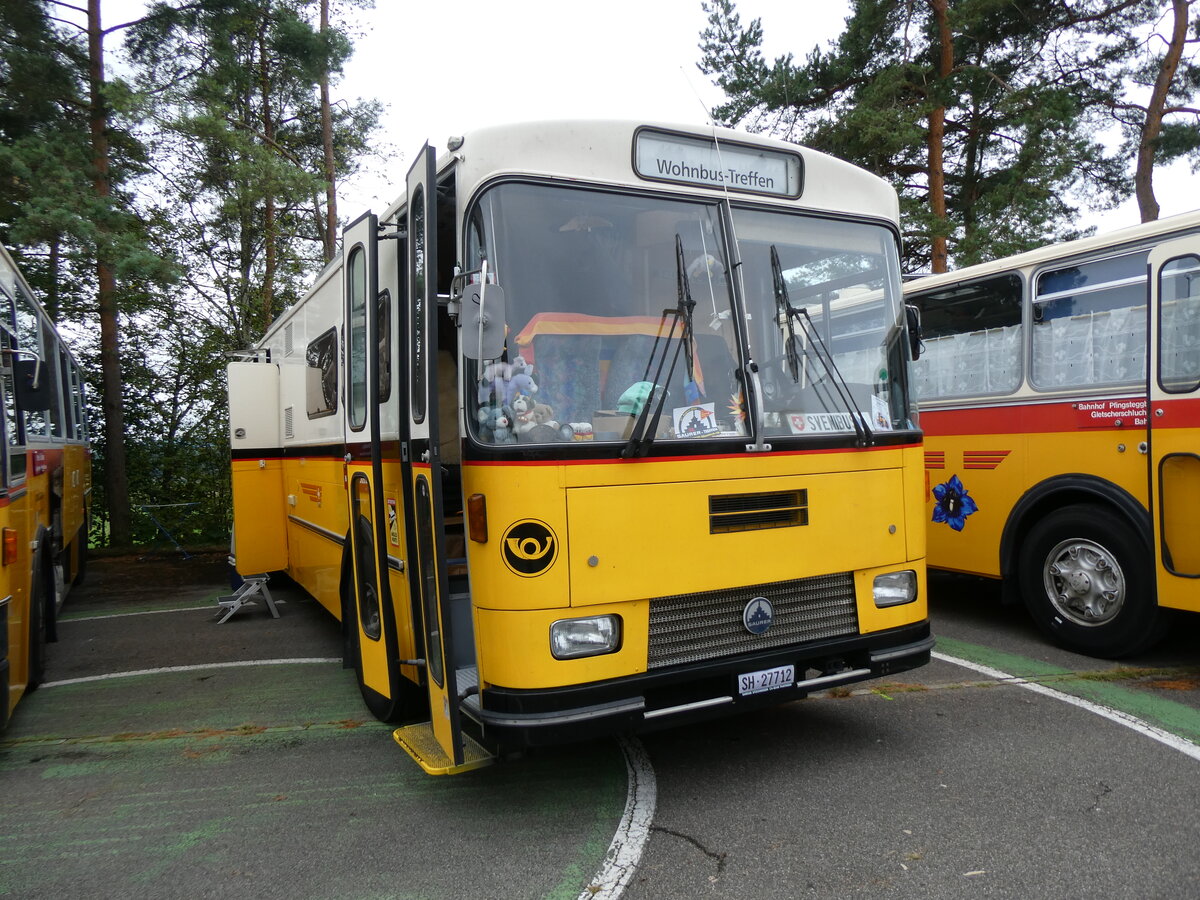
939,256
116,480
52,292
270,237
330,233
1143,178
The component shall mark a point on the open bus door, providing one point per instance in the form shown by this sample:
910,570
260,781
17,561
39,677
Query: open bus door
368,617
439,746
1174,419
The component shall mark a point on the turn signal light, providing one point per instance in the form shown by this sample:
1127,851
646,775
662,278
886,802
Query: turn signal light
477,518
10,546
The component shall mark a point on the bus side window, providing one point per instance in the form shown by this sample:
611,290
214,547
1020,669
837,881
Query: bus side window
321,375
1179,332
972,339
1091,323
14,433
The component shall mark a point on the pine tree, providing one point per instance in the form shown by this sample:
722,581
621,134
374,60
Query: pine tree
961,106
238,106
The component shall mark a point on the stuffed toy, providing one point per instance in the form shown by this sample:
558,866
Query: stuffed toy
635,397
501,381
523,409
544,415
495,424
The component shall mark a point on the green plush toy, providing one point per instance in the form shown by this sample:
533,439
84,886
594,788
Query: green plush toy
636,397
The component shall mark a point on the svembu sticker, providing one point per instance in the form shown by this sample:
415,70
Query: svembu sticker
529,547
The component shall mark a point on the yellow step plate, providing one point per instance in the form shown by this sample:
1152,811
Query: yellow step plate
419,742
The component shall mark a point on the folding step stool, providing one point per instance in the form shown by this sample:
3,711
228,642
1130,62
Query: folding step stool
244,596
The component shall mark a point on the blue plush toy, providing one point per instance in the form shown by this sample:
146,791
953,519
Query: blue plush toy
495,424
501,382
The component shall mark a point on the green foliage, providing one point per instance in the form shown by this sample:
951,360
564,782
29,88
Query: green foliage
1024,100
237,112
216,155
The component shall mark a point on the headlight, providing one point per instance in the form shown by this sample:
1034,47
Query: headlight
895,588
573,638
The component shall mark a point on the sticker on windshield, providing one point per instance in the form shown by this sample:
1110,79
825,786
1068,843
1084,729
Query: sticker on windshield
697,420
881,418
819,423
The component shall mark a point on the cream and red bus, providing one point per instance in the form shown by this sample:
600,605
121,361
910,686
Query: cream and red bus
1058,393
45,483
601,426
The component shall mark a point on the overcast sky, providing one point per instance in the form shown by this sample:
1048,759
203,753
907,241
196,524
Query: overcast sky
447,68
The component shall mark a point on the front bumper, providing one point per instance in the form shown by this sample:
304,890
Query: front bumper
689,693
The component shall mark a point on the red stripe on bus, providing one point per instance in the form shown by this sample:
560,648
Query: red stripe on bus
1087,414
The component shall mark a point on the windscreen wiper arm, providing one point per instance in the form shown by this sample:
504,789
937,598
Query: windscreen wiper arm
814,346
646,426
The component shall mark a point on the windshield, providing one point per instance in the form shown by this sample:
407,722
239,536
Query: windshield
824,323
597,329
620,323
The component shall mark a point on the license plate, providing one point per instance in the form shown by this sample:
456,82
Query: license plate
766,680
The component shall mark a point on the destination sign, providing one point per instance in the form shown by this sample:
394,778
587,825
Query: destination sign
663,156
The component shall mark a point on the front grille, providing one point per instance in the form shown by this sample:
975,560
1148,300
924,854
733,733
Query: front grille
708,625
750,512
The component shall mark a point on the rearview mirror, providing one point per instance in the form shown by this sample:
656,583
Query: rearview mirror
483,321
912,317
32,384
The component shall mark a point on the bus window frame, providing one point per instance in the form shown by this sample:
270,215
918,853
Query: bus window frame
11,417
1024,317
1195,383
1035,275
357,355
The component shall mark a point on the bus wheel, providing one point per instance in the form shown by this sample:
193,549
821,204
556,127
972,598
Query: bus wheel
37,626
1086,579
81,555
405,700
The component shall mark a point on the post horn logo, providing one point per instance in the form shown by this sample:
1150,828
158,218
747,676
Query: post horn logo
529,547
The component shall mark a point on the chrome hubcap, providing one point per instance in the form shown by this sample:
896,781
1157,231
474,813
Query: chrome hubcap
1084,582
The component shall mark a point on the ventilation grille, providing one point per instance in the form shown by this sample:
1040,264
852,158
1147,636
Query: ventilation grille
288,347
687,628
289,425
751,512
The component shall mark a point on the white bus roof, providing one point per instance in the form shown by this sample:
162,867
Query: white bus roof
1135,234
601,152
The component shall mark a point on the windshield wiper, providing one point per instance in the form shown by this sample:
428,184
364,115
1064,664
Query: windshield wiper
646,426
814,347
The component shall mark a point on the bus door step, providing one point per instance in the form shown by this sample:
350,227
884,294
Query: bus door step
252,586
420,743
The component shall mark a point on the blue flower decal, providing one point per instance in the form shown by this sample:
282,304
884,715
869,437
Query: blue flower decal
954,504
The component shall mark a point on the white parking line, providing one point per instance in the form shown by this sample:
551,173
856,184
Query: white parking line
625,851
196,668
66,620
1121,718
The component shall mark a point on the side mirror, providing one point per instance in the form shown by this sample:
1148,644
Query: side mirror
483,321
912,317
28,373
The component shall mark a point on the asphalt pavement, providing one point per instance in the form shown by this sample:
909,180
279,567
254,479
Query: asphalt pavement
169,756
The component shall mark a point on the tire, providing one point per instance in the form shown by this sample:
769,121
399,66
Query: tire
37,627
407,698
81,554
1087,579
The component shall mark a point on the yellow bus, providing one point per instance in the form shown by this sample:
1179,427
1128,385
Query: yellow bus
601,426
45,483
1058,393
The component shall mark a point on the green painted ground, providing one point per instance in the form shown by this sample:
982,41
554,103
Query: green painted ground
1113,688
270,781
